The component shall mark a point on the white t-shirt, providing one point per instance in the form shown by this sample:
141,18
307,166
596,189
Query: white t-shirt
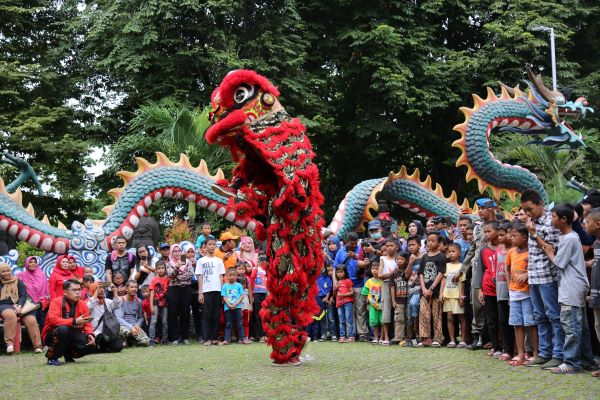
211,269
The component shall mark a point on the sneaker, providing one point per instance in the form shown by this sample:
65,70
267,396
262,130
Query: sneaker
363,338
175,343
402,343
54,363
414,342
322,339
246,341
461,345
410,344
538,362
186,342
552,363
263,339
10,349
451,345
435,344
38,350
334,338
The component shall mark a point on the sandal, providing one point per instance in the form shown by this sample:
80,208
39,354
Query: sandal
596,374
402,343
451,345
516,362
435,344
504,357
375,341
490,352
564,369
461,345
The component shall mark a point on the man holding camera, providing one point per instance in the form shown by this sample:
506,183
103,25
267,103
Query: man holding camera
99,305
68,332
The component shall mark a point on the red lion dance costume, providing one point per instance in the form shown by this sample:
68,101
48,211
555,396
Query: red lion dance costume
275,182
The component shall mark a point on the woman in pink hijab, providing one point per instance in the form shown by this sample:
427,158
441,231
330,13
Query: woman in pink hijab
36,282
247,251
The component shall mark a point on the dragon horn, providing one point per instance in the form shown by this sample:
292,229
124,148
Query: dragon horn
547,94
509,89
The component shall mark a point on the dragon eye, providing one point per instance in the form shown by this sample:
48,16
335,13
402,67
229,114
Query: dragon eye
243,93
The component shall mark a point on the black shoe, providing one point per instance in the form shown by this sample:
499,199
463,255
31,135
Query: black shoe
476,344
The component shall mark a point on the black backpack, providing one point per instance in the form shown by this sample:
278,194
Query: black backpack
111,325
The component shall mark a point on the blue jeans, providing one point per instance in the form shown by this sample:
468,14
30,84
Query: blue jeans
577,352
318,328
331,319
413,305
546,312
230,316
346,317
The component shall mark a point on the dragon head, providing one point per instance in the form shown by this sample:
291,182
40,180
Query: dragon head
549,112
243,98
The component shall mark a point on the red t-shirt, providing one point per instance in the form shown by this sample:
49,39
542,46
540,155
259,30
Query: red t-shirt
488,283
160,286
146,309
344,287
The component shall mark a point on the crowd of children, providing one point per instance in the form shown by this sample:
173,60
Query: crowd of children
523,287
490,282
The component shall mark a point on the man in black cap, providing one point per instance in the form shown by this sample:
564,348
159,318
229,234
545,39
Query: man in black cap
590,200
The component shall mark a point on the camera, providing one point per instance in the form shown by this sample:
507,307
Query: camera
366,244
104,284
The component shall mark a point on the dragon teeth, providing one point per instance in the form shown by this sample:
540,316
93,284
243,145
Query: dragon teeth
203,203
504,122
127,232
251,225
134,220
230,217
60,247
24,234
515,123
46,244
141,210
169,193
34,240
221,211
148,201
3,225
13,230
212,207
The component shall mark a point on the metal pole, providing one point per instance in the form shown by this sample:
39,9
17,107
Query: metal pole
553,56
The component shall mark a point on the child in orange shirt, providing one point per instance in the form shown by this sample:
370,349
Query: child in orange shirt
521,308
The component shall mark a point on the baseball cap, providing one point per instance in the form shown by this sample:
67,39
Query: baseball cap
437,220
375,224
228,236
486,202
592,197
164,245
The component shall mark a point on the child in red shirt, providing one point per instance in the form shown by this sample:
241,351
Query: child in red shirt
146,309
344,302
158,303
487,287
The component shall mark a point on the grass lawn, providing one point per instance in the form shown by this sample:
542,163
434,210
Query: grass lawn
339,371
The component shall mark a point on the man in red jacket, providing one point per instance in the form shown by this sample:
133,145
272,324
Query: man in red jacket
68,331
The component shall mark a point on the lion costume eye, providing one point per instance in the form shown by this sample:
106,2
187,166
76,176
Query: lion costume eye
243,93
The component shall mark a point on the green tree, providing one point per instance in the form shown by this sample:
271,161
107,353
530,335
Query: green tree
44,115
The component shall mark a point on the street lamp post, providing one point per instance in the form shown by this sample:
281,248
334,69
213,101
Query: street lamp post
543,28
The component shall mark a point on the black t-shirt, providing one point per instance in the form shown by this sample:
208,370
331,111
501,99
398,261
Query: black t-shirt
400,285
430,267
123,264
595,279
